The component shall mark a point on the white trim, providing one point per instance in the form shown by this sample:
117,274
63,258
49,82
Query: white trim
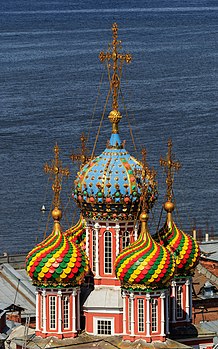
117,229
95,325
44,318
162,319
187,304
154,301
141,316
148,321
52,307
87,240
179,307
111,248
173,285
37,309
103,310
66,297
74,311
132,320
124,312
59,312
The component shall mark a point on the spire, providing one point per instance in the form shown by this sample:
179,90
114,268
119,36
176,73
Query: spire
56,172
170,166
117,59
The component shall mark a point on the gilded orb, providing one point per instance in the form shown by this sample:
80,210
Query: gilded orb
143,217
169,206
56,214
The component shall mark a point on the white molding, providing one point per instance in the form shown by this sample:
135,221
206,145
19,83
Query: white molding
95,325
103,310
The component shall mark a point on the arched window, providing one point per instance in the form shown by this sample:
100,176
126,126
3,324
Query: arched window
125,239
94,250
52,311
141,315
179,301
107,252
154,315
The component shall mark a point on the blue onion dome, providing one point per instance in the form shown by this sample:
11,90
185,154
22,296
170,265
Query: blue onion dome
109,186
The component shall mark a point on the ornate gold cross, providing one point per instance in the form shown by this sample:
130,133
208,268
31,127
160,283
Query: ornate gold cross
170,167
57,172
118,60
82,157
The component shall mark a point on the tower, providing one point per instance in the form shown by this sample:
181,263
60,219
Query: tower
145,269
57,267
184,248
108,191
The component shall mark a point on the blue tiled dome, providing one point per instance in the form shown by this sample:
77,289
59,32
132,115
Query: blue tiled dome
108,187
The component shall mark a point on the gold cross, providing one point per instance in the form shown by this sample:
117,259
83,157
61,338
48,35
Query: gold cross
83,158
170,167
147,179
118,60
57,172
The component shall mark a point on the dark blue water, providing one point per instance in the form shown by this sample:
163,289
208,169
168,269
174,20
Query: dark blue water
49,78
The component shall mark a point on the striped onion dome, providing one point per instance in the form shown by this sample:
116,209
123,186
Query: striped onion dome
144,264
184,248
56,261
77,233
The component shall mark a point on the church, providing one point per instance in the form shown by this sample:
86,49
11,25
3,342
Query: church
107,275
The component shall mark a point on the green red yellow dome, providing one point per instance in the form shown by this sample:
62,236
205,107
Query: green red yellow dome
56,262
144,264
184,248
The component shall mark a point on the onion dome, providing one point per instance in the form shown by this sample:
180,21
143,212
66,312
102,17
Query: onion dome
108,188
184,248
77,233
144,264
56,261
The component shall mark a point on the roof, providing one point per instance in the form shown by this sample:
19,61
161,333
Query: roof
85,341
209,250
16,288
104,297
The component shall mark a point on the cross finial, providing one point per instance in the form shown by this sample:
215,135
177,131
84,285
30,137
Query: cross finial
147,179
117,61
57,172
170,167
82,157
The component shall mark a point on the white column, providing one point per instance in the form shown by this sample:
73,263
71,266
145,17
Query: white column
162,298
167,312
117,229
187,300
136,232
173,285
37,309
97,251
87,240
190,299
148,316
74,311
132,320
59,312
124,311
44,318
78,310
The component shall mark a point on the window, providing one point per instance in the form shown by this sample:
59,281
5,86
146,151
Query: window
104,327
154,315
179,301
107,252
66,312
130,312
94,250
141,327
125,240
52,307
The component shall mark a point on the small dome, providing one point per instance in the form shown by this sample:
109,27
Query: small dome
184,248
144,264
108,187
56,262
